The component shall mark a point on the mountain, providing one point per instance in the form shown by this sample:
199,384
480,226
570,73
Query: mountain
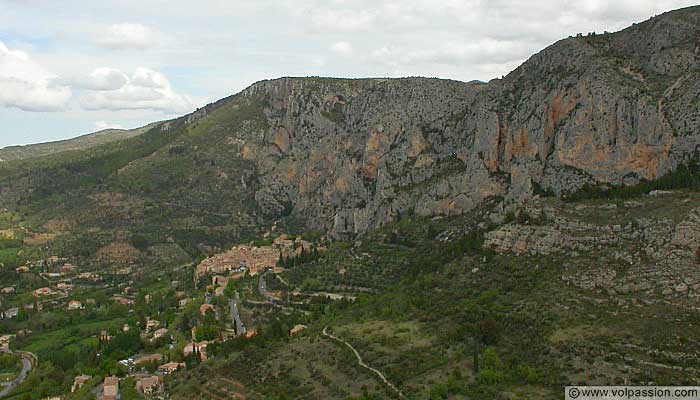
346,156
434,238
12,153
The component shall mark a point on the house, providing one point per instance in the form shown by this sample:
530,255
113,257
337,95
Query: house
79,381
22,269
56,259
151,324
64,286
250,334
182,303
75,305
8,290
148,358
170,367
160,333
44,291
200,348
297,329
149,385
91,276
10,313
205,307
122,300
126,328
110,388
104,336
220,280
5,342
68,269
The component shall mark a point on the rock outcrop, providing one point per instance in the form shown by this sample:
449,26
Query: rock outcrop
612,108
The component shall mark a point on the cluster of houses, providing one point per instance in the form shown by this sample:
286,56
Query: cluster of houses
61,274
150,385
110,386
153,331
253,259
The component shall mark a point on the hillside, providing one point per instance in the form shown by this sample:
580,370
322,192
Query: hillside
590,293
12,153
324,238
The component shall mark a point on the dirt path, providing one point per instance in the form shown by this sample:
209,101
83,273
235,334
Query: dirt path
362,363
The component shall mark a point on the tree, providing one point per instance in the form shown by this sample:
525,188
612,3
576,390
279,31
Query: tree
492,372
488,331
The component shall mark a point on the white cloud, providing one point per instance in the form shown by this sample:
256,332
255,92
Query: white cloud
105,79
128,35
340,20
24,84
144,90
148,78
102,125
220,47
342,48
486,51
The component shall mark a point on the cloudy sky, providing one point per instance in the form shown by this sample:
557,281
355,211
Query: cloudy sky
75,66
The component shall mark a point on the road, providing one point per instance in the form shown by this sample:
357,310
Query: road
26,369
236,317
262,288
362,363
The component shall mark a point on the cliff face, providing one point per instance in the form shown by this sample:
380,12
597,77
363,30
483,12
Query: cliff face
614,108
351,155
346,156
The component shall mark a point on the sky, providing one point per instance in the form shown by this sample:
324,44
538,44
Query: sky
71,67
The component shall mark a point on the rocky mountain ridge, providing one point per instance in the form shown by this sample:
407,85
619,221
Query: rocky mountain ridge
347,156
602,109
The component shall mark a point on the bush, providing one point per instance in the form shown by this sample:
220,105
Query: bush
439,392
491,377
527,374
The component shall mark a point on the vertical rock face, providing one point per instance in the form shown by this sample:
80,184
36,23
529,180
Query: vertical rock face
349,155
364,151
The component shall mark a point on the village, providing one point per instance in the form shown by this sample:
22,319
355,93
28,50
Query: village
168,329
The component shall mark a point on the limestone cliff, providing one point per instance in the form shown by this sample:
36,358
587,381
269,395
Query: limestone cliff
349,155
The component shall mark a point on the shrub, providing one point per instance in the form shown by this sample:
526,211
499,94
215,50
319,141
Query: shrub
491,377
527,374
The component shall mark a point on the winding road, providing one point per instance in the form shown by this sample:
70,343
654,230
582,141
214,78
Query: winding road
27,366
236,317
362,363
262,288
